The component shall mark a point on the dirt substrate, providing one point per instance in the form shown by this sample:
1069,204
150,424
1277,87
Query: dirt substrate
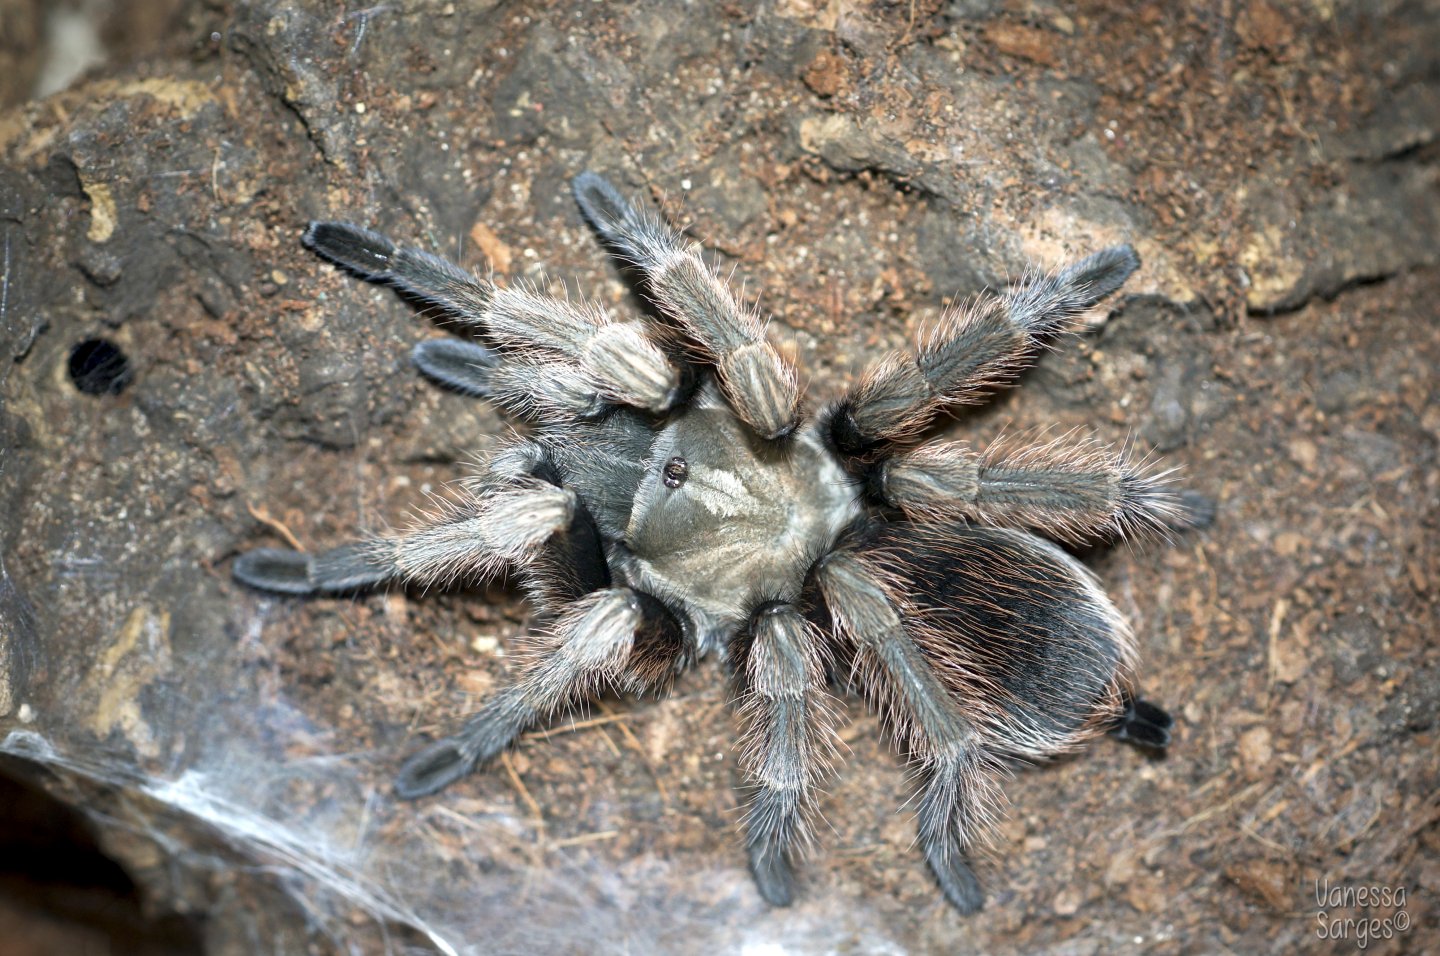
859,166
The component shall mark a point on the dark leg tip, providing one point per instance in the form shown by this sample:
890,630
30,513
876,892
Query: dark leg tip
601,202
357,249
1197,511
774,876
1105,271
275,569
461,366
958,882
1144,725
432,770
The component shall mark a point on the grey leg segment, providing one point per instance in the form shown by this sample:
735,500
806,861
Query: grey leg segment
478,536
1080,490
957,791
790,741
524,383
374,257
859,600
588,646
1046,303
617,357
973,350
463,366
758,382
350,567
483,536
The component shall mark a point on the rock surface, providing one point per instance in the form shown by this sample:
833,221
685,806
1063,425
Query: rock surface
860,165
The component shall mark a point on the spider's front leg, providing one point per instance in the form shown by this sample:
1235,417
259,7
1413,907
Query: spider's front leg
529,384
788,727
974,349
1078,489
613,636
760,384
546,338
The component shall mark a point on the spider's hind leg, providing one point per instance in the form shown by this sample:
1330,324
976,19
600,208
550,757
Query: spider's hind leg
958,794
980,646
957,790
790,739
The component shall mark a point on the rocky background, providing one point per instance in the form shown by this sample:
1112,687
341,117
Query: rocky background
194,766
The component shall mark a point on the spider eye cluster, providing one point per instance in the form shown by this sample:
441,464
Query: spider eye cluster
677,469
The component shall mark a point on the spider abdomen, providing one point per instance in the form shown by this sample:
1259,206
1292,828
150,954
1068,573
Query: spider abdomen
1020,634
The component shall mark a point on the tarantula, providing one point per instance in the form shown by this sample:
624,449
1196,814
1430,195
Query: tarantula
676,500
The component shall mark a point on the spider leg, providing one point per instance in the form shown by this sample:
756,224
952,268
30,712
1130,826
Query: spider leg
350,567
478,535
789,733
617,358
613,636
759,383
974,349
1076,490
957,791
467,367
521,383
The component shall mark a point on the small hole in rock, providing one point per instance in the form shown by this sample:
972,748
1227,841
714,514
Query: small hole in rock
98,367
